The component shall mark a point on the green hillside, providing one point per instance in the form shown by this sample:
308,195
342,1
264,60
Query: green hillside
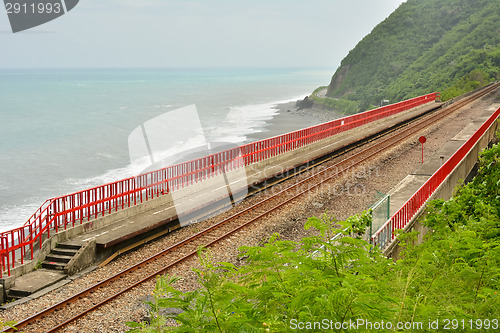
452,46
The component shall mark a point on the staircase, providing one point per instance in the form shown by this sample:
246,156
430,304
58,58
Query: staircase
51,272
60,256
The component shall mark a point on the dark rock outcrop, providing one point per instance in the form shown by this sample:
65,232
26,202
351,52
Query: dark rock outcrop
306,103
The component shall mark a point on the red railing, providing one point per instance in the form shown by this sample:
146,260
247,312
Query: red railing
385,235
68,210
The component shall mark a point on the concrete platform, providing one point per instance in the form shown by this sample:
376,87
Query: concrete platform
411,183
35,281
127,228
41,282
430,165
403,191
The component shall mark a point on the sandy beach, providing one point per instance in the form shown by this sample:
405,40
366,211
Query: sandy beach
289,119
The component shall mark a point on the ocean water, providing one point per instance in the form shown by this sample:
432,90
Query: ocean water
64,130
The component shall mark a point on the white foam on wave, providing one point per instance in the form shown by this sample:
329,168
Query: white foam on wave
239,123
13,216
138,165
107,177
242,121
103,155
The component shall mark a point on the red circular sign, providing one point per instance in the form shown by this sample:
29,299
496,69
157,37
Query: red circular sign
422,139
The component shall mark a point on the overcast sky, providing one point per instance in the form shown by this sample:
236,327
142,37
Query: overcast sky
173,33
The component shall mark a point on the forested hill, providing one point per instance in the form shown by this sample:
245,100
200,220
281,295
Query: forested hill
450,46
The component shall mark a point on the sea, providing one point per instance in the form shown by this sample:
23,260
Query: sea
65,130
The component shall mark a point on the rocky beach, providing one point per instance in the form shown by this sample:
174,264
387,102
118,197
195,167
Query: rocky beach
290,117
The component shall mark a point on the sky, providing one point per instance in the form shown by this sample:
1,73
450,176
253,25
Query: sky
189,33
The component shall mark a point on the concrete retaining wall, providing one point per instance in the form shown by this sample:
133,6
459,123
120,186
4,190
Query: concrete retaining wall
82,259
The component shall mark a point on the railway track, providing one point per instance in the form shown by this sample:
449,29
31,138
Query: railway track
77,306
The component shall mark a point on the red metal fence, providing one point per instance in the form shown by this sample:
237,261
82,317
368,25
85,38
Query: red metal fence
385,235
77,208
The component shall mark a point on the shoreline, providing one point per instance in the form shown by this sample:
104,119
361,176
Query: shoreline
289,118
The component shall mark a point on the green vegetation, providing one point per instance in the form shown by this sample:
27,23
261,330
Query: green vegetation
38,265
454,274
8,324
343,105
317,90
452,46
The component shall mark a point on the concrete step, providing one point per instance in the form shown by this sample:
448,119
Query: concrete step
64,252
68,246
57,266
33,282
17,294
59,258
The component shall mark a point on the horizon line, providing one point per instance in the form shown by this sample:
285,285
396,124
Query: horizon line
175,67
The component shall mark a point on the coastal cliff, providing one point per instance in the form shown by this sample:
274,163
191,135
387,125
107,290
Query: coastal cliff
452,46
